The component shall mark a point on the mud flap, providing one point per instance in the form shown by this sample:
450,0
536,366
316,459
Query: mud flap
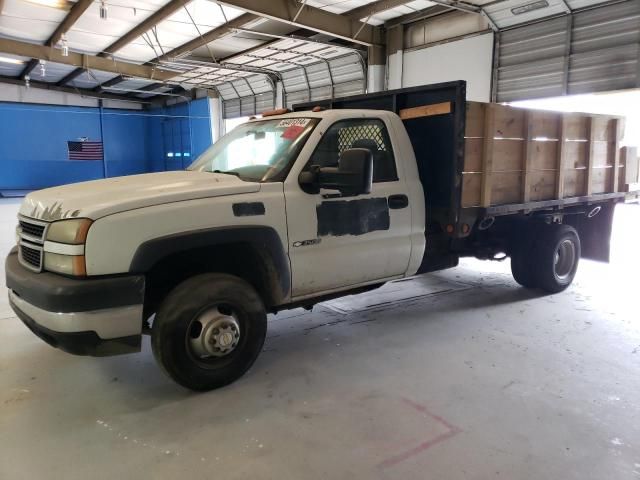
595,233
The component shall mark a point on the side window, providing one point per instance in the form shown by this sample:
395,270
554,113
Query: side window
358,133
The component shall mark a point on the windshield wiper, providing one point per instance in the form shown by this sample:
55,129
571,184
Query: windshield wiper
236,174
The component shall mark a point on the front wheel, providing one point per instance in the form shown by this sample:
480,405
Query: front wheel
209,331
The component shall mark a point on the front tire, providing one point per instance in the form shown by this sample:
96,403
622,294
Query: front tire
209,331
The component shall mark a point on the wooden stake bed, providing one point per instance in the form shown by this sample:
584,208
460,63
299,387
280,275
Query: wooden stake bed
479,160
517,156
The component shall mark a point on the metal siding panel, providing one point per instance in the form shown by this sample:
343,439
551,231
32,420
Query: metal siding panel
604,54
348,89
231,108
605,48
293,98
500,12
264,102
540,41
601,28
531,61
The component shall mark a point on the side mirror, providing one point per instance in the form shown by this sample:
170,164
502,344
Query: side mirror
354,175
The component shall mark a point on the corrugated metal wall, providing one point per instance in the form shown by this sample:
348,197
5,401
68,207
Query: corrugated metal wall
336,77
589,51
247,96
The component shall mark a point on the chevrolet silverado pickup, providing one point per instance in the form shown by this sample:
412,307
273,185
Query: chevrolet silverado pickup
295,208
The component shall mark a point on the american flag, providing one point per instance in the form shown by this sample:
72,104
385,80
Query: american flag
85,150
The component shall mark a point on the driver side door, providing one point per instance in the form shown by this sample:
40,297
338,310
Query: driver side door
337,242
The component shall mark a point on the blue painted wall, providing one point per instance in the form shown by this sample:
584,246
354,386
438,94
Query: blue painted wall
178,134
33,141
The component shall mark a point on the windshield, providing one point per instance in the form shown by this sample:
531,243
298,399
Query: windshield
261,151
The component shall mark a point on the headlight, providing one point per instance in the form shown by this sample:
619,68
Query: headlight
73,232
63,248
65,264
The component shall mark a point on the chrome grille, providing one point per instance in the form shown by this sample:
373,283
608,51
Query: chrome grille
33,230
31,256
32,235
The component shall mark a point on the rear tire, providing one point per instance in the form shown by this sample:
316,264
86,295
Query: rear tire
209,331
556,257
522,266
522,270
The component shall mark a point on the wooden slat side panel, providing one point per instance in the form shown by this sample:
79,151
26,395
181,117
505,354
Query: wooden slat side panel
545,125
619,132
603,154
591,122
487,154
471,186
506,188
509,122
475,120
631,163
527,154
544,155
519,155
425,111
576,154
577,127
561,156
543,185
508,155
473,154
574,182
601,180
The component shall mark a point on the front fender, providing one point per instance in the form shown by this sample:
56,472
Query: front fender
264,240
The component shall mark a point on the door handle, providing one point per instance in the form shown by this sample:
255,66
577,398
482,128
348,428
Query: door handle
397,202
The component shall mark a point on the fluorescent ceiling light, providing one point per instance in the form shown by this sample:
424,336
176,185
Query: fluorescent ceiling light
530,7
14,61
60,4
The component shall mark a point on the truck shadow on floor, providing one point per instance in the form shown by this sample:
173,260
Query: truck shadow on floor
296,335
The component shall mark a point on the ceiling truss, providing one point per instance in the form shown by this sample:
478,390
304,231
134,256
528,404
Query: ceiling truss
347,27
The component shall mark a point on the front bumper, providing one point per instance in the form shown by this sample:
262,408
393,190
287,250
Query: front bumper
97,317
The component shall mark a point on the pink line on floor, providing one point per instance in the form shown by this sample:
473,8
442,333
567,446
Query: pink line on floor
452,430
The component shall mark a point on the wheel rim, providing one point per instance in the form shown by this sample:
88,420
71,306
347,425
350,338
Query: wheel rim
214,333
565,259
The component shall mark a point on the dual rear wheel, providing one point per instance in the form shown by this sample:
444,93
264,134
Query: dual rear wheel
547,257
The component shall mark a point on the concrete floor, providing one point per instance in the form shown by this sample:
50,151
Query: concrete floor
474,378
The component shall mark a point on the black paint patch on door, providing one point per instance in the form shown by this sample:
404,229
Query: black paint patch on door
352,217
248,209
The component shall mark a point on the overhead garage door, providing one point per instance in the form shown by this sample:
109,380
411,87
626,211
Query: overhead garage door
589,51
337,77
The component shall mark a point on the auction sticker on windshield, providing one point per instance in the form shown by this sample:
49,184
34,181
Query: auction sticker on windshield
294,122
294,127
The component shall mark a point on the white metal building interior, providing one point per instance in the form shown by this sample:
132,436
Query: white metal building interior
456,374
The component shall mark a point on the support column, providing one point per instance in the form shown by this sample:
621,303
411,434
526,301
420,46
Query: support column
395,47
376,63
215,114
280,100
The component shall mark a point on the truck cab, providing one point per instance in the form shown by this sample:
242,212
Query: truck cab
291,208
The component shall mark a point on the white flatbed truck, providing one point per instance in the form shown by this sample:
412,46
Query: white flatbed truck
299,207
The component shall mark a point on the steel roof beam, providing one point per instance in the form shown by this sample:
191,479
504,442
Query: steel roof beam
72,17
165,12
373,8
419,15
76,91
50,54
312,18
206,38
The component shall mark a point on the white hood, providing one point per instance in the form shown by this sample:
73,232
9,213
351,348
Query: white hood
98,198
